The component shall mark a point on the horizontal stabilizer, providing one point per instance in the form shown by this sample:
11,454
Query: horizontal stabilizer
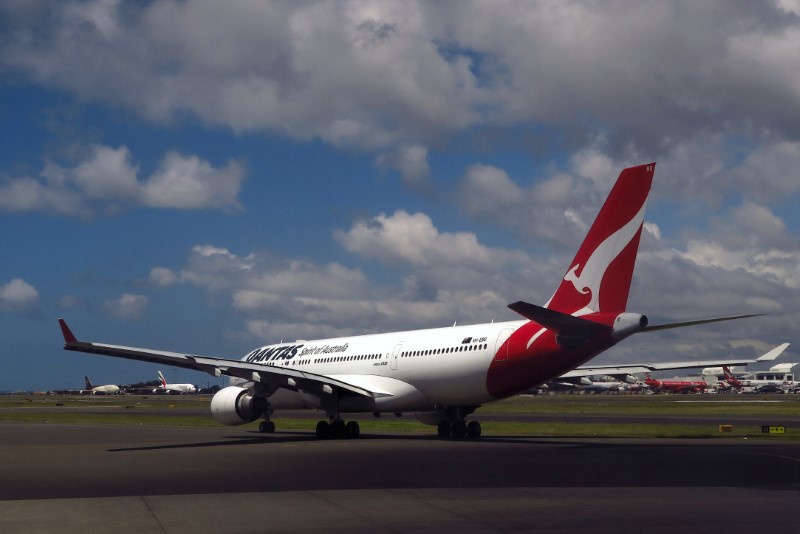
667,326
564,324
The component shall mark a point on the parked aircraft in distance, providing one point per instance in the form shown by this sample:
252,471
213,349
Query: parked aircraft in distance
625,371
676,386
108,389
730,378
443,374
779,376
173,389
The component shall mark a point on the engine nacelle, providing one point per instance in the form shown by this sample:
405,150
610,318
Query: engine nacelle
236,406
628,323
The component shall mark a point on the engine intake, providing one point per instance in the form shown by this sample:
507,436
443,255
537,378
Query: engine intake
236,406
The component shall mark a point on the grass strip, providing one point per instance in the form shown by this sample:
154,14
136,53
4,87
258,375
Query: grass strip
490,428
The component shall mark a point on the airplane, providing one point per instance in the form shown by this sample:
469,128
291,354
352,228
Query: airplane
625,372
730,378
588,383
109,389
676,386
442,374
173,389
779,377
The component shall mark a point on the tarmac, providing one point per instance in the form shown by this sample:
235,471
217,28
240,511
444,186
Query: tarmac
118,478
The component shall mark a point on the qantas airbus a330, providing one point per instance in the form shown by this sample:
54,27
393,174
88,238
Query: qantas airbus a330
443,374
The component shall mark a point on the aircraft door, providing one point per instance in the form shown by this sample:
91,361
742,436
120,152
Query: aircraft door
394,357
501,338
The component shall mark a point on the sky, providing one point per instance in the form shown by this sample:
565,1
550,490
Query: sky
208,177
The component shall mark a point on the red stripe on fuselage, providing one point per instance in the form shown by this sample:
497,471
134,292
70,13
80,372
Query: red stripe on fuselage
527,367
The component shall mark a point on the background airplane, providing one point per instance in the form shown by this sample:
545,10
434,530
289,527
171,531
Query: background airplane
444,374
108,389
676,386
625,370
173,389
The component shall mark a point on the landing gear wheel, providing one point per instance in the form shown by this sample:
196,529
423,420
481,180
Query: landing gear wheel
459,429
266,427
444,430
473,429
323,429
352,430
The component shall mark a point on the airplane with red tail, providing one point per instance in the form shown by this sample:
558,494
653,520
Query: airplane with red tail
730,379
676,386
444,374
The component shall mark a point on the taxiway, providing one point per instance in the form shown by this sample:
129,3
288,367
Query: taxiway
171,479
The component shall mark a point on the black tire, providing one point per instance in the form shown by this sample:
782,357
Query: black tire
473,429
352,430
266,427
323,430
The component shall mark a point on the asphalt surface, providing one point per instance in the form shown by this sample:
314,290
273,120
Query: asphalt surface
74,478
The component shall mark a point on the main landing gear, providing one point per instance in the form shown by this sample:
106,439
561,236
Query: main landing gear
338,429
459,429
266,427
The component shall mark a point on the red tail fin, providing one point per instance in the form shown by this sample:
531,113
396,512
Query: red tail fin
599,278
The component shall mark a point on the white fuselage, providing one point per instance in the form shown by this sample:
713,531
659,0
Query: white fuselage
109,389
181,388
414,370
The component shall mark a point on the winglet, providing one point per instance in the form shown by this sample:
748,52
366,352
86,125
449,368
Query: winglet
69,337
774,353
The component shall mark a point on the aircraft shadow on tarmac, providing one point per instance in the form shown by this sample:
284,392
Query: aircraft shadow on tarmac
256,438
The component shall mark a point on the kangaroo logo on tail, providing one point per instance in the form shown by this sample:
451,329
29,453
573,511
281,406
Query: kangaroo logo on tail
588,282
599,278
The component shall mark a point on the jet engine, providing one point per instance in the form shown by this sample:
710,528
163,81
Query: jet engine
236,406
628,323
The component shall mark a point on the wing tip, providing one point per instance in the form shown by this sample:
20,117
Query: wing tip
69,337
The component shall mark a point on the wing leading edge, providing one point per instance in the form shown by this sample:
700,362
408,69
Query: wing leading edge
274,376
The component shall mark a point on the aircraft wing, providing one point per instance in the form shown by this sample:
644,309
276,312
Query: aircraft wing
615,369
272,375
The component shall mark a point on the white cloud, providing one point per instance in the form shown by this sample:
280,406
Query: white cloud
454,277
191,183
556,209
106,180
162,276
18,296
106,173
410,161
379,75
413,239
127,307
